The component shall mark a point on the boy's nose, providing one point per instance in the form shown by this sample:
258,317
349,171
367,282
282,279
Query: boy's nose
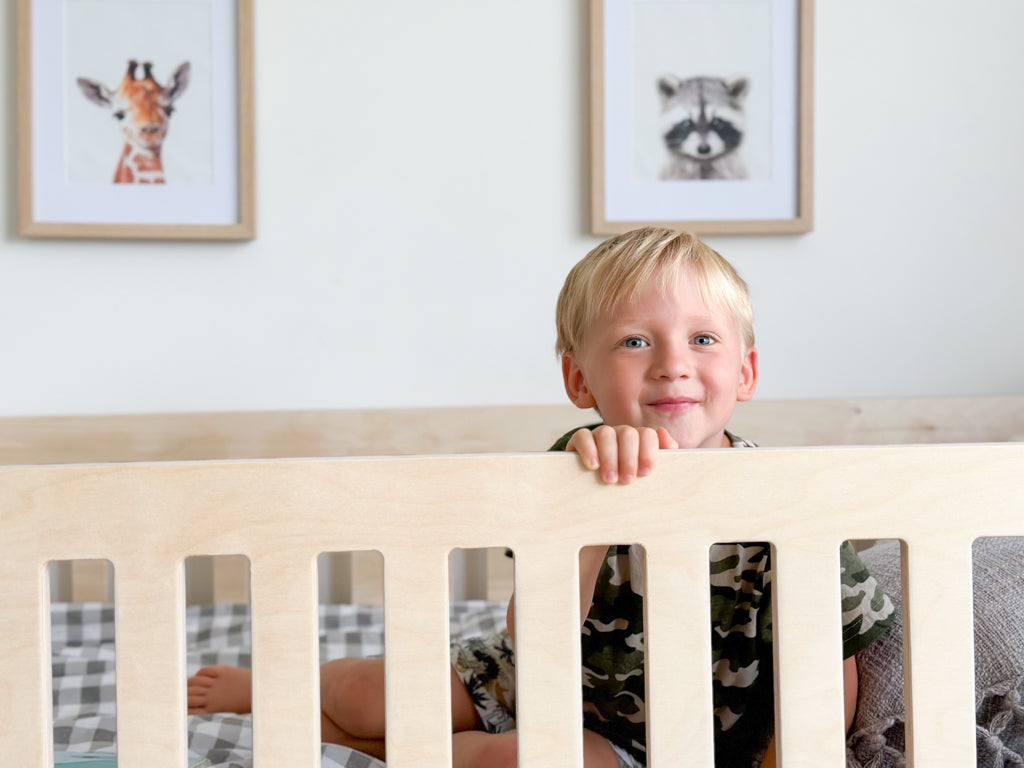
673,363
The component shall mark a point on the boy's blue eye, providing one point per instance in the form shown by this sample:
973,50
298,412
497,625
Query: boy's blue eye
634,343
703,340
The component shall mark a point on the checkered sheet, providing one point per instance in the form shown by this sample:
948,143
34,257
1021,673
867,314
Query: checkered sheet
83,671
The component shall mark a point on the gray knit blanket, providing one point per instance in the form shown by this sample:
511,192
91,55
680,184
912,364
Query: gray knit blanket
878,738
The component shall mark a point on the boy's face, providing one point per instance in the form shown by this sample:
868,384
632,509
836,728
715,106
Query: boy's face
666,360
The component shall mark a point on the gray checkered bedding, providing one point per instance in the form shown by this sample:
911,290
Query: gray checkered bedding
83,671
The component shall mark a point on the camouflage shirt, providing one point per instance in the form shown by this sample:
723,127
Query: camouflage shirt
741,643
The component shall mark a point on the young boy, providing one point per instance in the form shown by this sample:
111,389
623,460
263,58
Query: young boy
655,331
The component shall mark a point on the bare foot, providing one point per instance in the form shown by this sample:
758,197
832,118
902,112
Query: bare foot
220,689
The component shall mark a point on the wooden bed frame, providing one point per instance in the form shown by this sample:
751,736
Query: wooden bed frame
147,517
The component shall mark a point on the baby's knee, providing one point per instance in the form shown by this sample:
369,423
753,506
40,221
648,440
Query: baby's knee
490,751
352,695
501,753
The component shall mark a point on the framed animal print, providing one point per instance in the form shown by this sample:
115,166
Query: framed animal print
135,119
701,115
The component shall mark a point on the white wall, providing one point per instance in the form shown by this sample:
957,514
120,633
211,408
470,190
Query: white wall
422,192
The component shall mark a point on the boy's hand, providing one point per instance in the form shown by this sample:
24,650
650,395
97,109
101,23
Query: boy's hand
623,453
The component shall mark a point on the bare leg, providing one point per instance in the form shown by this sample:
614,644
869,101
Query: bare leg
476,749
220,689
352,704
597,752
229,689
351,700
359,681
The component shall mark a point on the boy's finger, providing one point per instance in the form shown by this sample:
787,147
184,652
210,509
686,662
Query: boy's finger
629,453
607,453
650,443
582,442
665,440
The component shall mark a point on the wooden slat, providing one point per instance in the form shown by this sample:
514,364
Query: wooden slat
938,656
149,630
418,695
26,732
147,518
549,705
808,649
677,636
285,654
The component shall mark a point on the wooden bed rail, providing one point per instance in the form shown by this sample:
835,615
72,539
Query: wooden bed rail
146,518
478,429
356,577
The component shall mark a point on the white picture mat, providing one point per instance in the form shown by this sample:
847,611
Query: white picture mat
630,197
210,199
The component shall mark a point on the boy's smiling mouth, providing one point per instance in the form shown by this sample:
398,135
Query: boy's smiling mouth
673,404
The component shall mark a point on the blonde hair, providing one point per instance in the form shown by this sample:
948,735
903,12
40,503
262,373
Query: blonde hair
620,268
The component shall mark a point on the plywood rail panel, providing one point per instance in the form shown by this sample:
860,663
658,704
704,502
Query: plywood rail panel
146,518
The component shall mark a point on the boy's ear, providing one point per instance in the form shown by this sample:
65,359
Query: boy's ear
575,383
748,376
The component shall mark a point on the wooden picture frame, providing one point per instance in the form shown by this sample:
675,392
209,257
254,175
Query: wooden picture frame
100,154
661,73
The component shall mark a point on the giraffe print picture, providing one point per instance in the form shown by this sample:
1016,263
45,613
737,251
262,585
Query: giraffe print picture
139,93
140,119
143,109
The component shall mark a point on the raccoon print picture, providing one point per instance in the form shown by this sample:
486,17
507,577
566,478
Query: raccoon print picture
702,127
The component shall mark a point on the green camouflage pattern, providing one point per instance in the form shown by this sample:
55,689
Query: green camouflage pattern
741,643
